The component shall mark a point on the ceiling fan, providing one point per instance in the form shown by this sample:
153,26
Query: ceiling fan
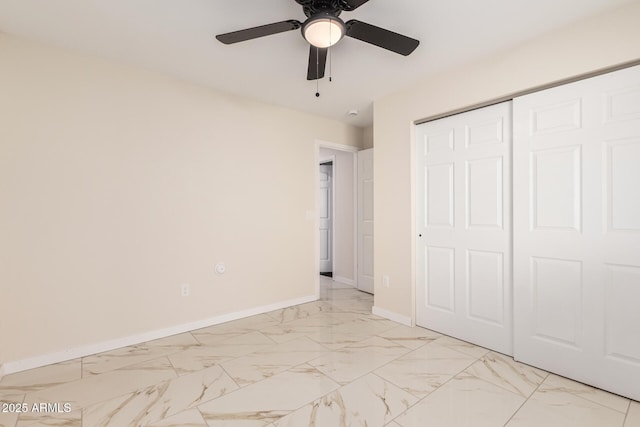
323,29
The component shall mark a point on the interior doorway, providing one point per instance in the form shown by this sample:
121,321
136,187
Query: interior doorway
336,211
325,217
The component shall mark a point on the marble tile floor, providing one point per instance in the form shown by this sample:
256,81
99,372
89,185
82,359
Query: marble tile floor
323,364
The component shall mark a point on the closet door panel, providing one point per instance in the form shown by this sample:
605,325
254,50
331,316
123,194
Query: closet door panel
463,223
576,163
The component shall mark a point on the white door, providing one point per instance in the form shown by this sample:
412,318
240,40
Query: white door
325,209
577,230
463,213
365,220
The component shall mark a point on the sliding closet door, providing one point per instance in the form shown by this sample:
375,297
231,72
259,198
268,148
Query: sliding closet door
463,242
577,230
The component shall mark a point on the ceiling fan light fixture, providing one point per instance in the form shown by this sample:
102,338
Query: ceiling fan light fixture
323,31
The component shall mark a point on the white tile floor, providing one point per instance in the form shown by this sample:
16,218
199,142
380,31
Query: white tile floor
323,364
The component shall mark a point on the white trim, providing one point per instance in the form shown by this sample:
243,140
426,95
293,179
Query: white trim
334,146
316,219
344,281
405,320
355,219
87,350
413,170
1,371
334,179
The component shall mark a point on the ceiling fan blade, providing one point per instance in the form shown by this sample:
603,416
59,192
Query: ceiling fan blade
349,5
317,63
380,37
261,31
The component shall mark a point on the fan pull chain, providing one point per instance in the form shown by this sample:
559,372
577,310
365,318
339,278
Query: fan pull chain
317,72
330,38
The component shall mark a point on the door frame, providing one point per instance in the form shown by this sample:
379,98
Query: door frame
348,149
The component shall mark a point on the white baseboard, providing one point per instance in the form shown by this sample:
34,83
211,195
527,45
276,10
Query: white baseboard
405,320
344,281
87,350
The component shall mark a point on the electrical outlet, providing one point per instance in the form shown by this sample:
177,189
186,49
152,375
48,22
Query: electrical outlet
385,281
185,290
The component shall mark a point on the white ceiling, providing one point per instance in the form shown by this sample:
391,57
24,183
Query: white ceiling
177,37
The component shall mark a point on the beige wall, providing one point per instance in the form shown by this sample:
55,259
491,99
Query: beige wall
117,185
591,45
367,137
344,220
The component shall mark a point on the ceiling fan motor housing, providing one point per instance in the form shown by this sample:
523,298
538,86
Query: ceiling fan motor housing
314,7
